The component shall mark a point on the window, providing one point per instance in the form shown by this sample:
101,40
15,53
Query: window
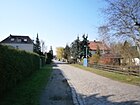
18,40
12,39
25,40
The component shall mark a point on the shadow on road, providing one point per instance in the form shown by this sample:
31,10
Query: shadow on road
57,91
97,99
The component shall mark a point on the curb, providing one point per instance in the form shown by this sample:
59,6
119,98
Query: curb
77,100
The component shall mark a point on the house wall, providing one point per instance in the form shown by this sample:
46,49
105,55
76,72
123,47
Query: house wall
92,52
101,51
26,47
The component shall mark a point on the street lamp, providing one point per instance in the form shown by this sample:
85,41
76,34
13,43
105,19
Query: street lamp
86,50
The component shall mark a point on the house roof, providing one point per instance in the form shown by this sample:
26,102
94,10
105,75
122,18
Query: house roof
94,44
17,39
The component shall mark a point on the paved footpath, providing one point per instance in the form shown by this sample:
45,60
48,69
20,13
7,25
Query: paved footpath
91,89
57,91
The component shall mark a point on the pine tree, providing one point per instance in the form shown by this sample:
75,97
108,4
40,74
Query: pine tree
67,52
84,47
75,49
51,52
37,47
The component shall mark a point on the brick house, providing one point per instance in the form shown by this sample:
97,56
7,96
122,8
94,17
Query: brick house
19,42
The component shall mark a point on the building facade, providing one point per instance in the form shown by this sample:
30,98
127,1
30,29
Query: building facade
19,42
95,45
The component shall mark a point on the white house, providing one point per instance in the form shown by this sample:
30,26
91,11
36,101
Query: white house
19,42
136,61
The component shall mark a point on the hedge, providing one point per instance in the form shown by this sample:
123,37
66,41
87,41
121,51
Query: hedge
15,65
43,61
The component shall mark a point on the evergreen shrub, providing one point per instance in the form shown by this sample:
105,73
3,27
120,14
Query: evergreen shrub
15,66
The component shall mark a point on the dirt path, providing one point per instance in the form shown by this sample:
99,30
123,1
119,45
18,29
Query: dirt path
57,92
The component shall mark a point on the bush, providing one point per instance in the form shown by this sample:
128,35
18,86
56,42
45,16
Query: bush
43,61
49,58
15,65
72,61
94,59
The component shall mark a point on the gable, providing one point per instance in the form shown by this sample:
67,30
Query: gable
93,45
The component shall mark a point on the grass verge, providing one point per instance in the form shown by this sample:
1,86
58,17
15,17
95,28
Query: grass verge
115,76
28,92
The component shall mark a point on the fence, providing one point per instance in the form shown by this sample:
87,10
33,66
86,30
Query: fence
129,70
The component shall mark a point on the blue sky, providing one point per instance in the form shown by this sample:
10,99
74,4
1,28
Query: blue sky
58,22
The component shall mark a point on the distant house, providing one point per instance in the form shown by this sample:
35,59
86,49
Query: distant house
109,58
94,45
19,42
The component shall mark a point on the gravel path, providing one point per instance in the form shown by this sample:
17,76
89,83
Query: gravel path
92,89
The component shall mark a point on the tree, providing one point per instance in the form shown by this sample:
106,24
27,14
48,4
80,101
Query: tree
75,48
98,51
84,47
60,53
67,53
104,34
124,19
37,47
42,46
51,53
49,58
94,59
126,51
51,50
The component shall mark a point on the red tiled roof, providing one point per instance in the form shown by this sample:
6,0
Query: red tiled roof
93,45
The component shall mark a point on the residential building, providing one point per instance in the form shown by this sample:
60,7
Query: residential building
95,45
19,42
111,59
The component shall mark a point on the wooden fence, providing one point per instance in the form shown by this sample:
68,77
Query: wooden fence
129,70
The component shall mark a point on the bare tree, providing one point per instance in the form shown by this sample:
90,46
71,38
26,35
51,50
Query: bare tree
42,45
126,50
104,34
124,19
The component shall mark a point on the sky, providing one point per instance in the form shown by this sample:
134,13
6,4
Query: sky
57,22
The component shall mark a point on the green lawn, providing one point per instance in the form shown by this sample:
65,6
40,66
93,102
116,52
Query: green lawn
115,76
28,92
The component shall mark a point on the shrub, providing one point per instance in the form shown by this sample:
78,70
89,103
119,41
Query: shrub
15,65
49,58
94,59
43,61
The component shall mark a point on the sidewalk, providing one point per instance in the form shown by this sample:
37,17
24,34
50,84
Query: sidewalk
57,92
